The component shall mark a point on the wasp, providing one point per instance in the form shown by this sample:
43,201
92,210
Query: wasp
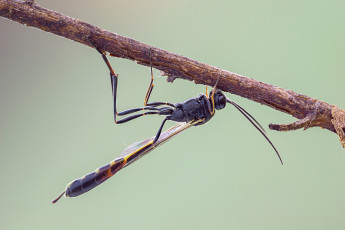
192,112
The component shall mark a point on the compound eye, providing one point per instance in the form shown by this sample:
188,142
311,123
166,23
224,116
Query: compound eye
220,100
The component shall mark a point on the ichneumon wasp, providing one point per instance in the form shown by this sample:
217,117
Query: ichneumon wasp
192,112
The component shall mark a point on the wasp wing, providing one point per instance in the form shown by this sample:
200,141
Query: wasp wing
138,149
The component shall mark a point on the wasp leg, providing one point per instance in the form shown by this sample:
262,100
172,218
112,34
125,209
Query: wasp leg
149,89
151,85
129,111
160,130
134,117
159,111
154,104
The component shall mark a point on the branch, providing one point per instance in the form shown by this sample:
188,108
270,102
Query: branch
310,112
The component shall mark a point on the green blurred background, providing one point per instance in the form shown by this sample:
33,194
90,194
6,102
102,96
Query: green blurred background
56,120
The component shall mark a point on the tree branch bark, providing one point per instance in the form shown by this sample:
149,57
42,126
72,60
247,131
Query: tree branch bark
310,112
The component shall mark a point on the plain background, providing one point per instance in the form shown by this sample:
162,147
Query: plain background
56,120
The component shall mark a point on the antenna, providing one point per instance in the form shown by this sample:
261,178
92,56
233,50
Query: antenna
256,125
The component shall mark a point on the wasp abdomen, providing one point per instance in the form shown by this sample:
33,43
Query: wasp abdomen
88,182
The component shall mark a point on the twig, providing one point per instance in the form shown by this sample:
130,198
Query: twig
310,112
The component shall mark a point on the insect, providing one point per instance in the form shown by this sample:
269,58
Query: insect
192,112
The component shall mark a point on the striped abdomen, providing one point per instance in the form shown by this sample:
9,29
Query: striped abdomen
88,182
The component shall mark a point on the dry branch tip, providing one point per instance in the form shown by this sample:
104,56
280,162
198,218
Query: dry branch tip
305,123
